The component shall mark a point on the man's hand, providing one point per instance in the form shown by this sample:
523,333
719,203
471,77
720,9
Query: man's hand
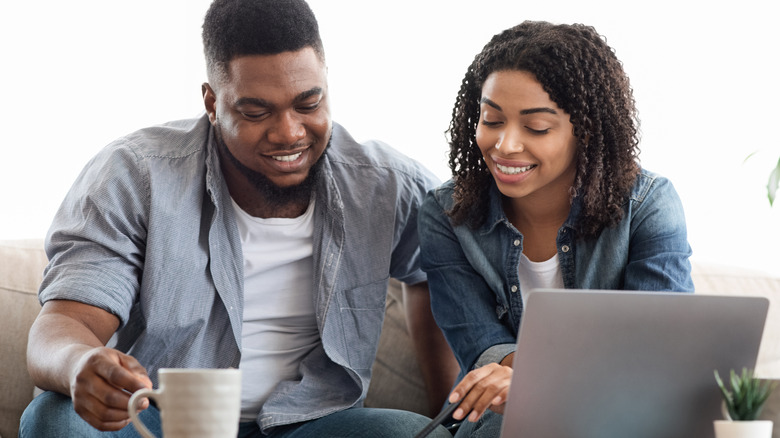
66,353
102,385
483,388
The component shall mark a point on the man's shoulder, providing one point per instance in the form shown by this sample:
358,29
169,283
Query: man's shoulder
173,139
372,156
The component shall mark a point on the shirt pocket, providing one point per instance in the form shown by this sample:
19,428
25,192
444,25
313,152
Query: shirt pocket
362,310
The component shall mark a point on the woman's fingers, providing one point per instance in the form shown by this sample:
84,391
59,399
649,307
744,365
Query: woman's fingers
484,388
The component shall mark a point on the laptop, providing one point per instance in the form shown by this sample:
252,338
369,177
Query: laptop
602,364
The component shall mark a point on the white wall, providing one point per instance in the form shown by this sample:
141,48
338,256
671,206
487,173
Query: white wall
76,75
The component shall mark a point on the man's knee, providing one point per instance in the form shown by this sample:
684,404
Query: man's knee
49,415
52,415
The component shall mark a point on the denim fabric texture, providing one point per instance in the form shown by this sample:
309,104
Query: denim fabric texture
473,273
147,233
355,422
51,415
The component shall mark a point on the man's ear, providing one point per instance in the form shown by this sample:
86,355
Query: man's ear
209,101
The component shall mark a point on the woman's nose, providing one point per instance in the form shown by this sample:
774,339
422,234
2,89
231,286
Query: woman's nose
510,140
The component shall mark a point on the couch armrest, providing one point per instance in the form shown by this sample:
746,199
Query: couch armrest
21,270
725,280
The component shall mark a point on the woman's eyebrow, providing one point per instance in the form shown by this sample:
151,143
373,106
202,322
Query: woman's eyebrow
491,103
538,110
524,112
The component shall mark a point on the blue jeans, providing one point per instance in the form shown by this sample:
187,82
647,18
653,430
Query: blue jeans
488,426
52,415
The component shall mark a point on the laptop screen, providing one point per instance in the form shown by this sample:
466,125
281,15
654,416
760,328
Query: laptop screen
627,364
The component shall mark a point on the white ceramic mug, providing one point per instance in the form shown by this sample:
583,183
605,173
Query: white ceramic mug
193,403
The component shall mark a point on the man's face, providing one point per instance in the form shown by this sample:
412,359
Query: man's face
272,114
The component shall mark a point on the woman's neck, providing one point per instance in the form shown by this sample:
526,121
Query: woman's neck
538,217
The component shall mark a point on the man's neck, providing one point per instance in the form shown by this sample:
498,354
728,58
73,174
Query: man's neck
257,204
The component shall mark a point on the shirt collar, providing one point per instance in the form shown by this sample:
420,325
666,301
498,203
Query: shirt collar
497,216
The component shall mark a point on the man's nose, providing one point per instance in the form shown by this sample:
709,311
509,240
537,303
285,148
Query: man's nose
287,129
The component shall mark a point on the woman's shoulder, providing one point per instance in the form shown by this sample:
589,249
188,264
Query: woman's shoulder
442,194
649,184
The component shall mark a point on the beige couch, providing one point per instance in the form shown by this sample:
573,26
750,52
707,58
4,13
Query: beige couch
396,382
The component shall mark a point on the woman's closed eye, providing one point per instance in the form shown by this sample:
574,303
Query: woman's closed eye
538,131
490,123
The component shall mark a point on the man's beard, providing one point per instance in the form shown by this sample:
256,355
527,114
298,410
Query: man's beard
273,193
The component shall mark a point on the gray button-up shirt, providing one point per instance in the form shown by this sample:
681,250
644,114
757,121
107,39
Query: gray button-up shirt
147,233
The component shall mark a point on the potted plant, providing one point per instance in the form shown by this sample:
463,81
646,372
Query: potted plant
742,405
773,184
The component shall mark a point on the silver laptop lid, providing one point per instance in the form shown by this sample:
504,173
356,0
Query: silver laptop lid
627,364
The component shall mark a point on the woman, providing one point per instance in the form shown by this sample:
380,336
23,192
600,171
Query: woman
546,192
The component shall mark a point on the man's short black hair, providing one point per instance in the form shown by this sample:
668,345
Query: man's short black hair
234,28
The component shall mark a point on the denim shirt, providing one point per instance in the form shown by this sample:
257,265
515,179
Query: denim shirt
147,232
473,273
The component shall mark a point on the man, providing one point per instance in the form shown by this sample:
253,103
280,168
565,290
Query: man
258,236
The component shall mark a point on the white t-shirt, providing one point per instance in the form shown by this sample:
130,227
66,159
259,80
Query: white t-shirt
280,326
535,275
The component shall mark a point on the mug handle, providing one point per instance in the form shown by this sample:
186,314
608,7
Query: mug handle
132,409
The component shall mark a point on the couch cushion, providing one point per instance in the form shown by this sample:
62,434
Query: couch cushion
396,380
21,269
725,280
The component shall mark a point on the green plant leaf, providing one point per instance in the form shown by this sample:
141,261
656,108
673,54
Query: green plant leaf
747,396
773,183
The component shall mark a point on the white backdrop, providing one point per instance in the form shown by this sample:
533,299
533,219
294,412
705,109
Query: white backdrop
75,75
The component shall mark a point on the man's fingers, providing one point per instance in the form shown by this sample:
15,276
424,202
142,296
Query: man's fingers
135,367
122,372
103,385
95,412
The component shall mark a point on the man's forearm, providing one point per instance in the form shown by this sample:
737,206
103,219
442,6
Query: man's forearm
58,340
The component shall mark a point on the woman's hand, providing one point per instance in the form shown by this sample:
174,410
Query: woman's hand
486,387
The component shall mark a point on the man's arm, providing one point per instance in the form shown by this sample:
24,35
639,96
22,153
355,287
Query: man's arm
437,363
66,353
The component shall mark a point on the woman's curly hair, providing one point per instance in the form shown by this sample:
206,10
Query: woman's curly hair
582,75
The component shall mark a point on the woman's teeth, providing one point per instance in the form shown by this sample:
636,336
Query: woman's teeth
514,170
292,157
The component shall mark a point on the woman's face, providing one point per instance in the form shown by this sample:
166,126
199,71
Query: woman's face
527,141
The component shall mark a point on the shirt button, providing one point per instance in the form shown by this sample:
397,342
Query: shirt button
517,242
565,248
514,288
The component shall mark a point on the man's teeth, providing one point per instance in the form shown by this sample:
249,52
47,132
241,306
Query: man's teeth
292,157
514,170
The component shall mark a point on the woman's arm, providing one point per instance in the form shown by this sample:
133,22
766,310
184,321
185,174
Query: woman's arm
462,302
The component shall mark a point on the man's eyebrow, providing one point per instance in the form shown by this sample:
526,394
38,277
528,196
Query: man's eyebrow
308,93
256,101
